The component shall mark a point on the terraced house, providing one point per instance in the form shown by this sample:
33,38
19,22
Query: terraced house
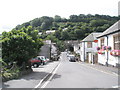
88,52
109,46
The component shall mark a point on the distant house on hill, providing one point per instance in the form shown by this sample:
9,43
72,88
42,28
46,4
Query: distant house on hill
88,52
40,33
50,31
109,44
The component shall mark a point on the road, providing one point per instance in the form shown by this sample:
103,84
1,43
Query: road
78,75
65,75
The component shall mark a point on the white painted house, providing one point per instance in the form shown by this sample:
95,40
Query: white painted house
110,38
88,52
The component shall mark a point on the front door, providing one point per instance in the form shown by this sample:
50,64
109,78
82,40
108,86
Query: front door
95,58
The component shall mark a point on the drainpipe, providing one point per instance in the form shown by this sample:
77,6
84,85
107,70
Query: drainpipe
107,52
84,51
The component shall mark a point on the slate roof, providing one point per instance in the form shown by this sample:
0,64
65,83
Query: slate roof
91,37
114,28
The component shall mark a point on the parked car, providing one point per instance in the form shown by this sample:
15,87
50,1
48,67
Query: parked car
39,60
44,60
68,53
55,57
47,59
35,62
72,58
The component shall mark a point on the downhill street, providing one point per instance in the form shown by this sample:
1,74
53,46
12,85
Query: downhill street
80,75
66,75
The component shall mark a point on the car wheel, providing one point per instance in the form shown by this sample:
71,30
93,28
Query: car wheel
44,63
35,65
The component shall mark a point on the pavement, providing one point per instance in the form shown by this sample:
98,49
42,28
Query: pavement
34,79
104,68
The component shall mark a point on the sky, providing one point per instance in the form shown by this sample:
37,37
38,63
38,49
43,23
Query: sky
14,12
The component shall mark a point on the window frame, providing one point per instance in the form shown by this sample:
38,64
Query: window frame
102,42
89,45
116,41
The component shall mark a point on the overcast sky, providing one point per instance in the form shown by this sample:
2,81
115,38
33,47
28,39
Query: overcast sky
14,12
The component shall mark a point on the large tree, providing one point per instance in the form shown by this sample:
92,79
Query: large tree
20,45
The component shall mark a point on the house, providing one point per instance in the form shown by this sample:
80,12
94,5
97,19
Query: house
76,48
46,49
50,31
74,44
88,52
109,45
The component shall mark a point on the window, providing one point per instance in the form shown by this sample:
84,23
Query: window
116,41
102,42
89,44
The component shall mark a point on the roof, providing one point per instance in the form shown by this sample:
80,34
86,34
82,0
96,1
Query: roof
114,28
91,37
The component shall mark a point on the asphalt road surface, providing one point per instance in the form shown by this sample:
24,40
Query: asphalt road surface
78,75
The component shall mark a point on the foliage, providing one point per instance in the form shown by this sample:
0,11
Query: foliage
57,18
74,28
10,74
65,35
20,45
61,45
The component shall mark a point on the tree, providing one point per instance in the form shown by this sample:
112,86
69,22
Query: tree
74,18
20,45
52,38
46,22
98,22
60,45
79,33
65,35
35,22
70,47
57,18
58,34
43,26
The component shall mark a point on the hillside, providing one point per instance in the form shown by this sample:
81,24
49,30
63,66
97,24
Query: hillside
75,28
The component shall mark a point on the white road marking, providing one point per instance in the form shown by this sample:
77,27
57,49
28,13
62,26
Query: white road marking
116,86
114,74
46,83
42,80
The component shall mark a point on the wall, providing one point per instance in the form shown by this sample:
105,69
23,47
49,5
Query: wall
112,60
83,51
102,59
45,51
